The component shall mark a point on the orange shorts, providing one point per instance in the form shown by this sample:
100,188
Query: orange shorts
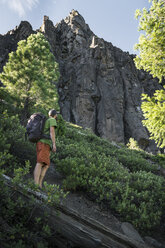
43,153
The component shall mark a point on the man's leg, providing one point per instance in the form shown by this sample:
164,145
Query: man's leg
37,172
42,175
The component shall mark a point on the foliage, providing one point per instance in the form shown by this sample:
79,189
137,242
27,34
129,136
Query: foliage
152,42
12,140
160,159
123,179
29,76
154,112
61,127
54,193
143,200
151,58
21,227
133,144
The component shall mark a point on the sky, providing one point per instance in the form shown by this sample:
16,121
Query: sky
112,20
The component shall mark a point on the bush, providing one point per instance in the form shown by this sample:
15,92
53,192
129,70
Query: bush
133,144
121,178
12,136
143,201
61,127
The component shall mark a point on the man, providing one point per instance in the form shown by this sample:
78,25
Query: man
43,148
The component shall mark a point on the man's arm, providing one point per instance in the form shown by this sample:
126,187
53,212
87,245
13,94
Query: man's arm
52,135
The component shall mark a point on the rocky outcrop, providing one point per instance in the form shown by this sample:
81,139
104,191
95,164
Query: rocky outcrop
100,87
8,42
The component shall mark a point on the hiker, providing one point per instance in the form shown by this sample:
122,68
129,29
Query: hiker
43,148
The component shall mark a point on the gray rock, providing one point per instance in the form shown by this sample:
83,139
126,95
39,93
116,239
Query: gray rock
8,42
130,231
153,243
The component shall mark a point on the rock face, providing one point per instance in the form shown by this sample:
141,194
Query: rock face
100,87
8,42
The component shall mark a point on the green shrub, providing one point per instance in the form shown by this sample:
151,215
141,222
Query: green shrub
61,127
135,162
143,201
12,136
160,159
133,144
121,178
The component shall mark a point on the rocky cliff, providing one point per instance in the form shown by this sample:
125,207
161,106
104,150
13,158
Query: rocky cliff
9,41
100,87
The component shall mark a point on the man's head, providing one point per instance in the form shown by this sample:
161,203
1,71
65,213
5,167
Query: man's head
52,113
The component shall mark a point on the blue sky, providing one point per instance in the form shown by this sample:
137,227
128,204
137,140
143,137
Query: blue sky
112,20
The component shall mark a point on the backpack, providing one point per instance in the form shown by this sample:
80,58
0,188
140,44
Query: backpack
35,127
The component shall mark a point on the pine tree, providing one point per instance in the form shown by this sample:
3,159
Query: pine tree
154,112
152,59
30,74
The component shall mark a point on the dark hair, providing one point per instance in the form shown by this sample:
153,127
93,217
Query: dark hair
52,112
